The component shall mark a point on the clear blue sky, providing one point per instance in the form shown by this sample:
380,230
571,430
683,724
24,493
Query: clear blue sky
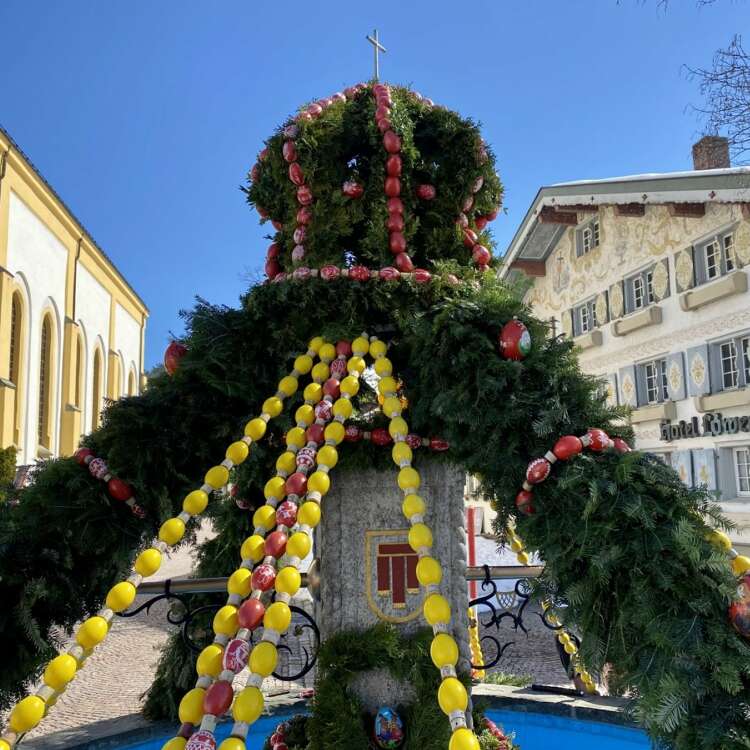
145,116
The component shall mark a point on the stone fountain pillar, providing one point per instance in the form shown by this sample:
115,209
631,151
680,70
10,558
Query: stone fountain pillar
368,569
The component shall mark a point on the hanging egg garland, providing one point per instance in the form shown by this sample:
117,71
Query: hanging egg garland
388,731
514,340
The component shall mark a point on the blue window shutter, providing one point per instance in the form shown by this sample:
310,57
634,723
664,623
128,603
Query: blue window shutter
579,243
717,376
676,376
704,468
698,371
699,261
727,477
629,296
683,465
628,387
640,382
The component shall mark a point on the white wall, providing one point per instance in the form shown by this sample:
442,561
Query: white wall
38,261
92,315
128,346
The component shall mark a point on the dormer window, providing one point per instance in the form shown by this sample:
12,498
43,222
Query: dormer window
587,238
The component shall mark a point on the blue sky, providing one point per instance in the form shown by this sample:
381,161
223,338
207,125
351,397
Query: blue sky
145,116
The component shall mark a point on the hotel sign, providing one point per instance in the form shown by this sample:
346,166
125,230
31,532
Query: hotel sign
710,424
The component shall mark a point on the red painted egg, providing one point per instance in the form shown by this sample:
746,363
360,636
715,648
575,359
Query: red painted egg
620,445
525,502
381,436
237,651
328,273
394,223
255,173
218,698
492,215
304,215
273,251
314,434
272,268
514,340
119,490
261,212
296,484
567,446
470,238
480,222
397,243
439,445
263,154
404,263
81,455
324,409
359,273
315,110
303,272
538,470
286,514
300,233
277,225
481,255
338,371
391,142
304,195
201,740
421,276
250,614
352,189
413,441
172,356
344,348
291,131
468,204
332,387
289,151
395,206
296,175
392,187
426,192
389,273
393,165
382,111
599,439
384,125
264,577
477,186
452,279
739,610
275,545
305,458
352,433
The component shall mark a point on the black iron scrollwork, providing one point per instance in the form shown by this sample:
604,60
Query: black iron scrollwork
507,601
185,616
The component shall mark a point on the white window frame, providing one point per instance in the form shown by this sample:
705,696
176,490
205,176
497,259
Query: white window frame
730,261
639,291
595,234
654,379
741,465
712,259
729,369
584,318
715,256
586,240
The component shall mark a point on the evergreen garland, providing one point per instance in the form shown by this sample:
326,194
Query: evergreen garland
622,538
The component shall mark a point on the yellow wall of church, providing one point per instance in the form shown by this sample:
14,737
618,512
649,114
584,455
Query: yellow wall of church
19,178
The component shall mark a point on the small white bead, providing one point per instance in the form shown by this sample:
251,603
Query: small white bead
417,518
45,692
106,614
271,636
204,681
281,395
586,440
76,652
221,639
184,516
234,599
283,596
447,671
323,468
207,488
226,675
208,723
458,720
305,528
247,440
265,416
227,464
254,680
294,561
240,729
315,496
550,456
432,588
441,627
136,579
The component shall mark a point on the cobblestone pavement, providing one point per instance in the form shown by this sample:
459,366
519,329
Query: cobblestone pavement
112,684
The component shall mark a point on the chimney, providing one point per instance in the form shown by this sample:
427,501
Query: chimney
711,152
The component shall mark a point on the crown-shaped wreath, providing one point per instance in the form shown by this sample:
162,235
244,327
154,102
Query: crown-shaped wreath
375,182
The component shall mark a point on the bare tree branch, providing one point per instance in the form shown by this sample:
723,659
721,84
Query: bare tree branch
725,89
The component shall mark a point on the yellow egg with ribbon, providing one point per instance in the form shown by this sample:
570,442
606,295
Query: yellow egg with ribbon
303,364
313,392
413,505
288,580
171,531
298,545
305,414
277,617
148,562
420,536
248,705
275,488
286,462
436,609
318,481
237,452
463,739
210,660
195,502
26,714
191,706
288,385
409,479
349,385
176,743
429,571
239,583
217,477
263,658
444,651
256,428
328,456
92,632
265,517
273,406
225,621
452,695
253,548
121,596
60,671
309,514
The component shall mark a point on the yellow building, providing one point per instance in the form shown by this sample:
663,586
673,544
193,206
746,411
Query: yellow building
71,327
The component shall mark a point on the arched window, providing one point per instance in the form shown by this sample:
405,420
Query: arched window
131,383
96,391
15,365
44,426
78,395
